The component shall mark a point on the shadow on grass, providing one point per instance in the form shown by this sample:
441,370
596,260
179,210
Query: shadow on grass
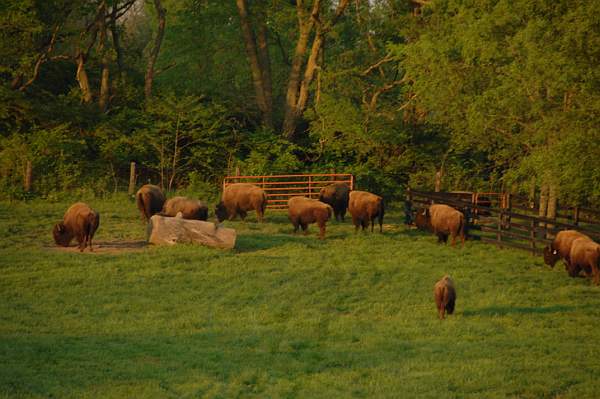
262,241
508,310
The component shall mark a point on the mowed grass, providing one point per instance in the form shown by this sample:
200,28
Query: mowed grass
285,316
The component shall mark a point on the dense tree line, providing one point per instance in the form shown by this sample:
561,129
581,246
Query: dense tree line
483,94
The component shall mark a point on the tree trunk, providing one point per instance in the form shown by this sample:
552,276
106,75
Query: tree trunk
256,67
82,79
293,86
297,90
265,66
28,177
105,74
114,32
552,203
149,78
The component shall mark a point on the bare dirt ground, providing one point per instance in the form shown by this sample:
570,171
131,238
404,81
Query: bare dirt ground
103,247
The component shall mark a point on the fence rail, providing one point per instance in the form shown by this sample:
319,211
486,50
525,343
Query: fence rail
496,218
280,188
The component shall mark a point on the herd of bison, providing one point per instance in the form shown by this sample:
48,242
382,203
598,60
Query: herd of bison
578,251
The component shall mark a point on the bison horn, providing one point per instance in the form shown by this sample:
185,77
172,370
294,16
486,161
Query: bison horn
554,252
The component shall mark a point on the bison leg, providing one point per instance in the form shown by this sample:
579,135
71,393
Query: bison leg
243,215
304,227
321,230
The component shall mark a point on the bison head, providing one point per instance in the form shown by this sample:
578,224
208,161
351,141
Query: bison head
221,212
551,256
422,219
61,235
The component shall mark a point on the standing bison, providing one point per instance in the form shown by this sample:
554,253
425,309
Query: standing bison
238,199
585,254
79,222
444,294
336,195
560,248
303,211
444,221
150,200
189,208
365,207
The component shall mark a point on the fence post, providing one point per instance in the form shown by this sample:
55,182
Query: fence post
532,235
408,207
499,231
28,177
309,186
576,216
131,188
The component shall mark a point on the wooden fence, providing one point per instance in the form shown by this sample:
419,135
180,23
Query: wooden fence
280,188
506,220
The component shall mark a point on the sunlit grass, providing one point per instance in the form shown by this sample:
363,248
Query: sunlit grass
284,315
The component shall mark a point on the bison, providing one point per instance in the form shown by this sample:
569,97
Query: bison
303,211
585,254
422,220
81,222
189,208
238,199
336,195
150,200
445,296
444,220
365,207
560,248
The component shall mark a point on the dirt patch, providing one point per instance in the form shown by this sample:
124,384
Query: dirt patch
104,247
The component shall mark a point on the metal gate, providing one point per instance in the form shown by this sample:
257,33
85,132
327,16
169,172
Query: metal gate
280,188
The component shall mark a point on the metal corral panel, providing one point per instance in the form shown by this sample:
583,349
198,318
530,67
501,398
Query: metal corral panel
280,188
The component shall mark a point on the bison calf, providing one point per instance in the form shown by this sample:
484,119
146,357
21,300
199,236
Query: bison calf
303,211
445,296
150,200
79,222
238,199
444,221
337,195
189,208
560,248
585,255
365,207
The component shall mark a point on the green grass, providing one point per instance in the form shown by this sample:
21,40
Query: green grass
285,316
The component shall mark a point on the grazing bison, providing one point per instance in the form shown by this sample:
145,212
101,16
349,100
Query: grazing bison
150,200
303,211
336,195
445,296
238,199
365,207
80,222
443,221
585,254
560,247
189,208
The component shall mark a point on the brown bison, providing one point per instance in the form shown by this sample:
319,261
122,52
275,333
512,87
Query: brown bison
79,222
189,208
585,255
444,220
336,195
238,199
365,207
422,220
560,247
445,296
303,211
150,200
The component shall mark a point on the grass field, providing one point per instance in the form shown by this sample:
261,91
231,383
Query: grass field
285,316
